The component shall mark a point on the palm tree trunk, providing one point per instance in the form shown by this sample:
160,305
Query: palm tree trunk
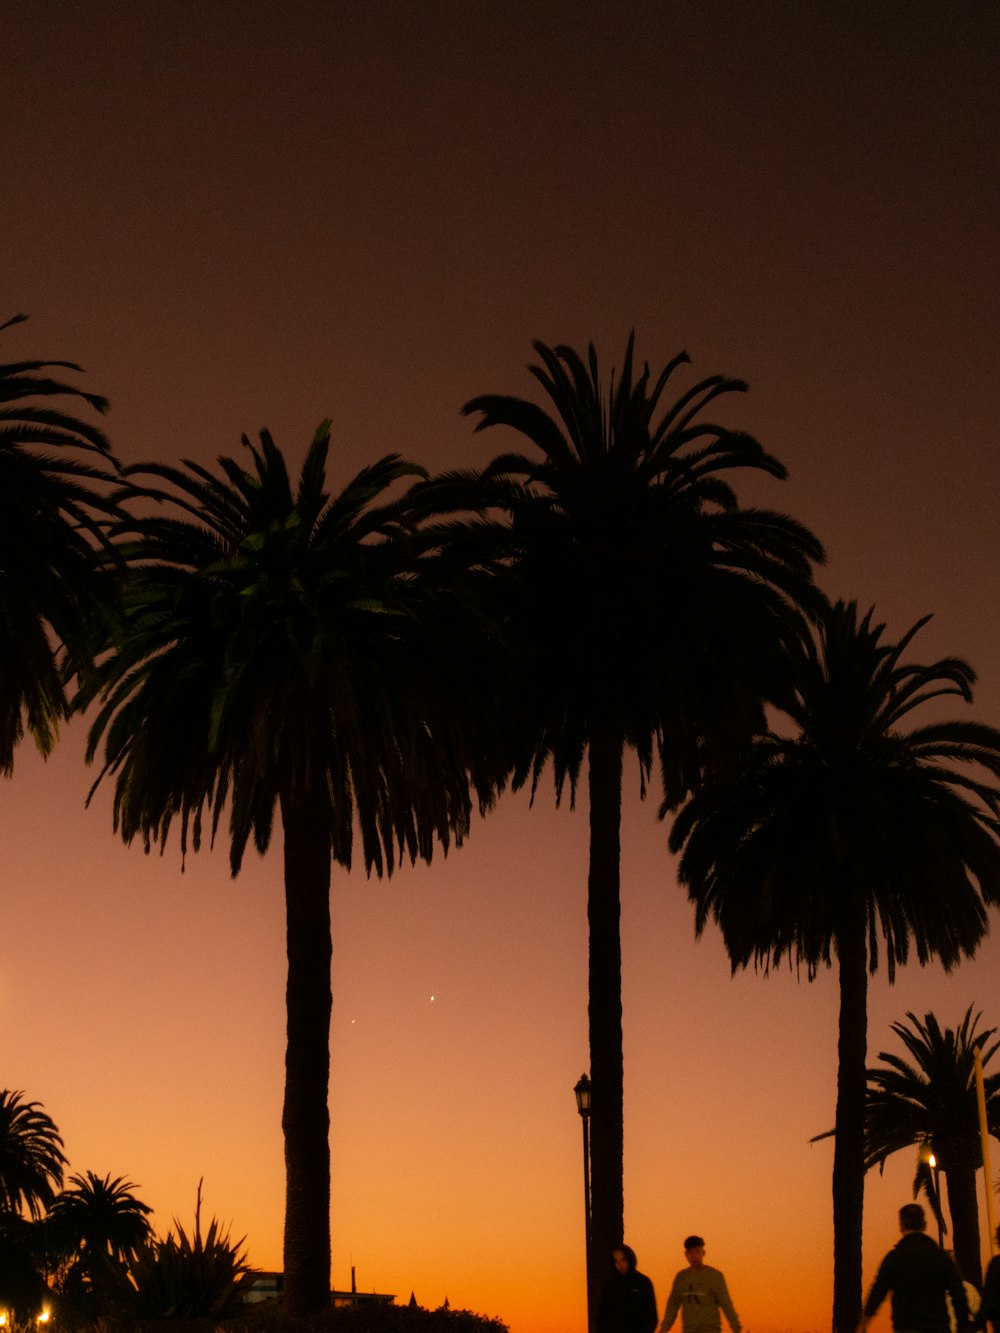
305,1118
849,1140
964,1208
605,982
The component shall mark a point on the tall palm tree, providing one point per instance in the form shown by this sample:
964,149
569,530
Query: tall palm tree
282,650
930,1102
31,1157
54,470
650,611
851,832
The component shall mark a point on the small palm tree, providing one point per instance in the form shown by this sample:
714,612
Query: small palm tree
285,651
97,1227
852,832
54,472
31,1157
930,1102
101,1218
650,612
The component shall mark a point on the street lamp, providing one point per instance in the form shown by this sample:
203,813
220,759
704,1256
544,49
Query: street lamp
582,1094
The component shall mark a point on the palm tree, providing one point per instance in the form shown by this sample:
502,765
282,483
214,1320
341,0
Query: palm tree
31,1157
851,830
931,1103
282,650
650,611
99,1227
54,517
101,1218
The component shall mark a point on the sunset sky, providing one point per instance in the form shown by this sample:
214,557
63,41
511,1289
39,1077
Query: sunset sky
263,214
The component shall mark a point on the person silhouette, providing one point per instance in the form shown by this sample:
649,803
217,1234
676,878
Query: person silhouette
627,1303
699,1293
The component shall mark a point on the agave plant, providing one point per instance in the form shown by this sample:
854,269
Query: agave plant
196,1277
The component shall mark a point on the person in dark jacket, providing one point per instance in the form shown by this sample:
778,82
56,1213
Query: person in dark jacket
920,1276
627,1302
989,1309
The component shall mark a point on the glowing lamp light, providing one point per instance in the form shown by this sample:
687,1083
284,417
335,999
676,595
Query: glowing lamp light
582,1093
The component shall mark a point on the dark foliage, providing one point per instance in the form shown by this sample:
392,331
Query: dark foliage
364,1319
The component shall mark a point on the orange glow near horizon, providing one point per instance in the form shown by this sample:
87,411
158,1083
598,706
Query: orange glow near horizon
455,1138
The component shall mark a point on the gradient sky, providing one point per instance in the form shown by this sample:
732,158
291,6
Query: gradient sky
263,214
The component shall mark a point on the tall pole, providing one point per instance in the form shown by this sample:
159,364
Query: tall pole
984,1135
582,1093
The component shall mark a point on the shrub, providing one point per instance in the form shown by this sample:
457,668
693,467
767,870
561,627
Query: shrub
191,1278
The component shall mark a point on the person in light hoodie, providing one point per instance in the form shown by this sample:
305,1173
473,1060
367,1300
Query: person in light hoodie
699,1293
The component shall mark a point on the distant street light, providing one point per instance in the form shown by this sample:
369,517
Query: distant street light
582,1094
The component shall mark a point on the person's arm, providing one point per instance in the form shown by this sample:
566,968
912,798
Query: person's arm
650,1318
879,1291
726,1305
670,1311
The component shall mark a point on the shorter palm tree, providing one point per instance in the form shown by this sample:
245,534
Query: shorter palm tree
31,1170
31,1157
930,1102
95,1230
101,1219
857,831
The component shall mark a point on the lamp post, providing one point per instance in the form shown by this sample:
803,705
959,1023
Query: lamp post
582,1094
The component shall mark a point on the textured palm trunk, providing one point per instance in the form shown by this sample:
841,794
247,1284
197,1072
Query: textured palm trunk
964,1208
605,982
849,1139
305,1118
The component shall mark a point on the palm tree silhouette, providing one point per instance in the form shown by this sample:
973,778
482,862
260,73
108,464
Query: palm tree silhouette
99,1226
31,1157
101,1218
929,1101
851,831
56,516
287,651
650,613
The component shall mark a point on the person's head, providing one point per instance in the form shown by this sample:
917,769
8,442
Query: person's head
694,1250
623,1258
911,1218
